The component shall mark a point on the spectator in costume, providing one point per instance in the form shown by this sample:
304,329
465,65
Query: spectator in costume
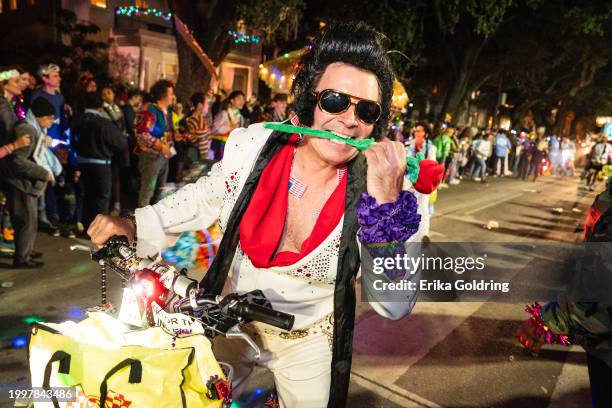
421,143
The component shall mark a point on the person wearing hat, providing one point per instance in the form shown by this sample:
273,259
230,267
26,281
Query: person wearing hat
47,207
50,90
27,177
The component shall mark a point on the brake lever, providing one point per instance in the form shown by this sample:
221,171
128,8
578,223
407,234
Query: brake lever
82,248
235,332
91,250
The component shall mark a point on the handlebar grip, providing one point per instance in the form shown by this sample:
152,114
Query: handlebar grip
112,247
265,315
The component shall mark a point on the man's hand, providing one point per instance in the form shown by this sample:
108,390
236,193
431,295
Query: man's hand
166,150
50,177
105,227
386,168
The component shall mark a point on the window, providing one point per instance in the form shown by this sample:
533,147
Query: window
98,3
31,2
141,4
241,79
169,71
13,4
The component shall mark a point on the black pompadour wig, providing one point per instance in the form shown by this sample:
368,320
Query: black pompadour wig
353,43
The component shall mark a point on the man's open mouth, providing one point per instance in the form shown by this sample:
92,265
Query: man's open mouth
339,135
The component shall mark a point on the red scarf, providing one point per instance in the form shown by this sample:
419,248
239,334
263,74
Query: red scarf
263,222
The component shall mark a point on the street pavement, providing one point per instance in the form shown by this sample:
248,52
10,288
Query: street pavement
444,354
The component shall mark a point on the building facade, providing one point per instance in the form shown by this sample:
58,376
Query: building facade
142,47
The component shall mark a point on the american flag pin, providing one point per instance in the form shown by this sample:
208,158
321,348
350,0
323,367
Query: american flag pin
296,188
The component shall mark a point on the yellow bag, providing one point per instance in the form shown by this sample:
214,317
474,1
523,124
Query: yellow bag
133,369
433,197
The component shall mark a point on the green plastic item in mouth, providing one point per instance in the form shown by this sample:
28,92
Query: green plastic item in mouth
413,163
361,144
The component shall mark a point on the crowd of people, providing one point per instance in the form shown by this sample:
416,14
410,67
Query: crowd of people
475,154
105,150
111,150
297,211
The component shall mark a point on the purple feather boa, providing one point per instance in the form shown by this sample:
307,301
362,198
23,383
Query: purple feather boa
390,222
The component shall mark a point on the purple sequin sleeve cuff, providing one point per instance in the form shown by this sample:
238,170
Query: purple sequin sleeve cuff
390,222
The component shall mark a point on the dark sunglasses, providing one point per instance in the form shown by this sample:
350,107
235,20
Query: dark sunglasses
336,102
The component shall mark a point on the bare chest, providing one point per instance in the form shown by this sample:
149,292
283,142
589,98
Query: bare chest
302,214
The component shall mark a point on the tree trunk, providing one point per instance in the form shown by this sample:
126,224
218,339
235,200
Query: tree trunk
496,108
562,117
460,84
522,109
208,22
462,109
193,76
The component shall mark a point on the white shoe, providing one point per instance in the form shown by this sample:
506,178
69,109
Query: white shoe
443,185
80,227
477,179
454,181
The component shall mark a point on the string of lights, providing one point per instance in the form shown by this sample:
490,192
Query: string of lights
130,11
240,37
